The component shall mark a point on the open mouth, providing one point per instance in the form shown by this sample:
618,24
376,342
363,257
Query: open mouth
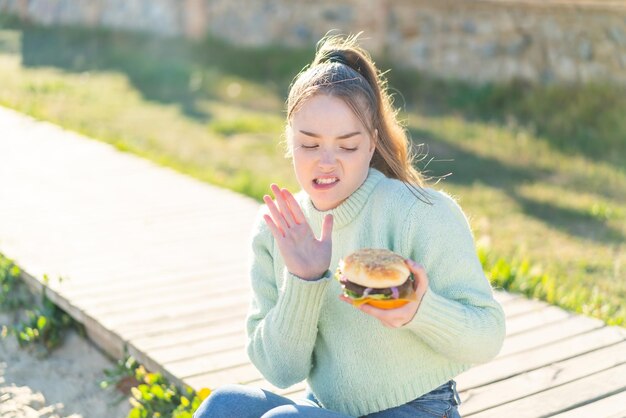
324,183
326,180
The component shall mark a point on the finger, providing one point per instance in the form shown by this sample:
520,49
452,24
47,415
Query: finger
273,228
296,211
381,314
418,271
282,205
372,310
345,299
327,228
276,215
413,266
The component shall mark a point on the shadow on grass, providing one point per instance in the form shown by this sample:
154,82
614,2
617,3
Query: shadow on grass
466,168
574,119
165,70
159,68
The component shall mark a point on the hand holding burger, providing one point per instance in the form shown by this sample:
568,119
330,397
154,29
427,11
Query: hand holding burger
379,283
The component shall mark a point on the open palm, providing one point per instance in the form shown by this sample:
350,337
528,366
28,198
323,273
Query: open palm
305,256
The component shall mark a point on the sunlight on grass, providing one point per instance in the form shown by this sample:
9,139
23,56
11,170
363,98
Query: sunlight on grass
519,276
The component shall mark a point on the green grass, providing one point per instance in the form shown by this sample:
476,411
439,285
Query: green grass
39,325
520,276
151,394
539,169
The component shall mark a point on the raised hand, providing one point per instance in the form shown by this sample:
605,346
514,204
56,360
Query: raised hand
305,256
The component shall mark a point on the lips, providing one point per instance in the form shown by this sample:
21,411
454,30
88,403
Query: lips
323,183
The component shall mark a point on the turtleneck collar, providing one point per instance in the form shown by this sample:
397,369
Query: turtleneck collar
348,209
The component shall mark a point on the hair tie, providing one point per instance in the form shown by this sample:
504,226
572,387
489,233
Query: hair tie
338,58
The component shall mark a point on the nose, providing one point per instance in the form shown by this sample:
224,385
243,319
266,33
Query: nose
327,159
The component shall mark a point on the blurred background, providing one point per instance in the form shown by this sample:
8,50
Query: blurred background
520,105
522,102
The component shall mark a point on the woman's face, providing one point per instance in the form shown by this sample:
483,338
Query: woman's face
331,150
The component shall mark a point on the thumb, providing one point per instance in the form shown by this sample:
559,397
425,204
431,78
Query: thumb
327,228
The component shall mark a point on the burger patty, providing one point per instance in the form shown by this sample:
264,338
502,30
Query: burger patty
404,288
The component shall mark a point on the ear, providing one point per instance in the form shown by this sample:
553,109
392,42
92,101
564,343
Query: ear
373,142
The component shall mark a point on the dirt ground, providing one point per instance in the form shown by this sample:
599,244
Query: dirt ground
66,384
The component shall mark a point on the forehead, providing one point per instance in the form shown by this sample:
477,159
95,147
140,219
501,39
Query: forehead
327,113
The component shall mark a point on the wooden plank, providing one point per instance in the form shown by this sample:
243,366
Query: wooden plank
536,381
245,373
109,342
294,393
206,364
125,288
144,229
548,334
119,260
105,224
503,368
188,336
563,398
183,294
139,279
522,306
132,253
613,406
114,320
204,347
109,277
532,320
153,240
232,325
183,322
503,297
152,289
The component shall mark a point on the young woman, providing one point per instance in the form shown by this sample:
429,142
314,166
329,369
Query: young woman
359,188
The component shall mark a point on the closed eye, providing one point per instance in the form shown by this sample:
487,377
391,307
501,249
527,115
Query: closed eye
317,146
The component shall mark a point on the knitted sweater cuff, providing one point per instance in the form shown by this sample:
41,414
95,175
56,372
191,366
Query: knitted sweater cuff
298,306
438,319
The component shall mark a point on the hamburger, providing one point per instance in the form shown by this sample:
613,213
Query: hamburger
378,277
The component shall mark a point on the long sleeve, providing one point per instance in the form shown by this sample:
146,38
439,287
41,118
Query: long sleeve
281,322
458,315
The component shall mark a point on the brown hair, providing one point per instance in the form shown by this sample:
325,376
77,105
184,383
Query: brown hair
342,69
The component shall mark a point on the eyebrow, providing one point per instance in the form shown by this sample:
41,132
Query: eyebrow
346,136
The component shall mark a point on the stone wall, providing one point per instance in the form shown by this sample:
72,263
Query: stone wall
476,40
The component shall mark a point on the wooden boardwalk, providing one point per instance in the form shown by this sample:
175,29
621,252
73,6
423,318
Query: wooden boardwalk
154,261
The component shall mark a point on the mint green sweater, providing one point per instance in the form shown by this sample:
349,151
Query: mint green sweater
353,364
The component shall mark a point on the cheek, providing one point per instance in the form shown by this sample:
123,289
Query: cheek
301,162
363,158
299,158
